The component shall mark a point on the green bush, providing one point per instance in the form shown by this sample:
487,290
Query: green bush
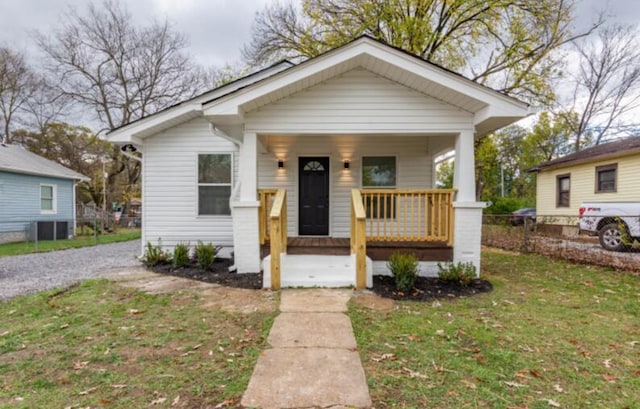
153,255
505,205
205,255
180,255
404,268
460,273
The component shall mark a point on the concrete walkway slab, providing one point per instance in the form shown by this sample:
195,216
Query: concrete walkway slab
316,329
314,362
306,378
315,300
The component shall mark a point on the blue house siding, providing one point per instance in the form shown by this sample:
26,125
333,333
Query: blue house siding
20,200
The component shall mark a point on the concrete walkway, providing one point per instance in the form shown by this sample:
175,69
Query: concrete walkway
313,362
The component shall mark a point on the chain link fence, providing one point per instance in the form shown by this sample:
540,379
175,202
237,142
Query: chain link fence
32,232
560,237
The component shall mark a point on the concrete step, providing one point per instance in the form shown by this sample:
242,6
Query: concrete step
316,271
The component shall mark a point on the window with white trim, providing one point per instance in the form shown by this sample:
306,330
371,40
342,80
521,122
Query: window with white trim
214,183
47,198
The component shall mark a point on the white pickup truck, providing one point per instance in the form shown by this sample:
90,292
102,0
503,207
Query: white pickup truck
617,224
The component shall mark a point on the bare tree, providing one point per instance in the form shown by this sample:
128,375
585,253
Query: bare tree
17,83
607,83
45,105
122,72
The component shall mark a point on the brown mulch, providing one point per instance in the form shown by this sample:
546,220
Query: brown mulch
425,289
428,289
219,274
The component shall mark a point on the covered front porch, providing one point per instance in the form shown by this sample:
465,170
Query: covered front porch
383,221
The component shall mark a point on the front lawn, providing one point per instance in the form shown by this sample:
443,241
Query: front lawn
551,334
14,249
100,345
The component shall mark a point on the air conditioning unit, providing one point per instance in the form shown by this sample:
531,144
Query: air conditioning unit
50,230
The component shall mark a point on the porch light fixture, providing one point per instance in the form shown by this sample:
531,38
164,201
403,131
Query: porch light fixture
346,164
280,164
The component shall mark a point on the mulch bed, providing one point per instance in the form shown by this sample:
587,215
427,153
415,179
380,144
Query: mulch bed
425,289
219,274
428,289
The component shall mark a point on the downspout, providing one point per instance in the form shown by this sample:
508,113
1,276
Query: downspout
236,189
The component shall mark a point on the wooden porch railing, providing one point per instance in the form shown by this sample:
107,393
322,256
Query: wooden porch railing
266,196
409,214
277,235
358,238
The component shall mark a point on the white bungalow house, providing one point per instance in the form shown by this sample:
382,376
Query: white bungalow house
316,172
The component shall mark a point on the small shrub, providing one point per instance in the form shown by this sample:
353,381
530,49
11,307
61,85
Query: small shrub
153,255
404,268
205,255
460,273
180,255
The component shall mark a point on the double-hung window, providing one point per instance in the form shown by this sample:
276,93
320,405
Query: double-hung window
47,199
214,183
563,194
606,178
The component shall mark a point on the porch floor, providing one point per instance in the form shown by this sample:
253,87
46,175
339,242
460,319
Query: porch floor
376,250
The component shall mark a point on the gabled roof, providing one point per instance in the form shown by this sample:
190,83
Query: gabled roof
623,147
227,105
16,159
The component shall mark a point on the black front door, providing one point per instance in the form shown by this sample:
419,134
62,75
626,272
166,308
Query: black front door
314,196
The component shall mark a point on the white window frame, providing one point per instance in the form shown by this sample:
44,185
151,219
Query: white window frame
198,184
54,195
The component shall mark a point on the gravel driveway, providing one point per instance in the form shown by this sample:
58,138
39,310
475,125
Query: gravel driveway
42,271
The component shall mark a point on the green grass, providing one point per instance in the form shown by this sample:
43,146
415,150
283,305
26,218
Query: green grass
551,333
100,345
14,249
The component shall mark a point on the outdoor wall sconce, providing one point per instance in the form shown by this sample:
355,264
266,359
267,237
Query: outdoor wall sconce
280,164
346,164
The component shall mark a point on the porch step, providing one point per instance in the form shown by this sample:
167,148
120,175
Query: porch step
297,270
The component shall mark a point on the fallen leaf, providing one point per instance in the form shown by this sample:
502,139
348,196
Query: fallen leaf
414,374
224,404
80,365
514,384
553,403
384,357
158,401
414,338
558,388
88,391
535,373
468,384
609,378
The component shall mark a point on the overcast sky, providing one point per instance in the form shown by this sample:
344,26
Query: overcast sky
216,29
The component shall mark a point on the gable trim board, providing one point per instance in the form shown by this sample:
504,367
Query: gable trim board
362,99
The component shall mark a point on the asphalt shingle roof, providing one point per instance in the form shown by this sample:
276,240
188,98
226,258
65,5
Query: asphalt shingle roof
16,159
621,147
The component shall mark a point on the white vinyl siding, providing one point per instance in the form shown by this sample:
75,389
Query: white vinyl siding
413,168
170,183
583,185
358,101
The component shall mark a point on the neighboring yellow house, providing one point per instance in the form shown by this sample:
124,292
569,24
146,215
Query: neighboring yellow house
605,173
